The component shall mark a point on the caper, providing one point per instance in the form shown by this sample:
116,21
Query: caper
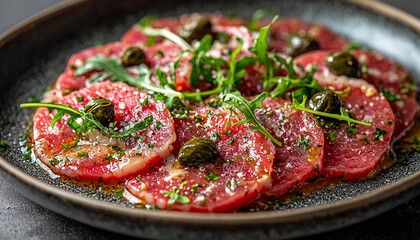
343,63
133,56
102,109
299,44
197,151
326,101
196,28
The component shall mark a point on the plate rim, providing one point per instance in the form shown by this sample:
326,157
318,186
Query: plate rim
219,219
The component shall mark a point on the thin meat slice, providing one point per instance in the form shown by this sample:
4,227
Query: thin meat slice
67,82
300,157
94,156
237,177
327,39
163,56
351,152
387,76
392,79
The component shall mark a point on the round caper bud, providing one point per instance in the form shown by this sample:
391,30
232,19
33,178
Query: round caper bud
343,63
196,28
102,109
197,151
133,56
299,44
326,101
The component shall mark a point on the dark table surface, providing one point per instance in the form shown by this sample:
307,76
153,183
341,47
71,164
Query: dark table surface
20,218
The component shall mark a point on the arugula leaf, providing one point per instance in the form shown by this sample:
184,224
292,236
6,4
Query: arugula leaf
202,65
89,121
248,109
114,69
343,117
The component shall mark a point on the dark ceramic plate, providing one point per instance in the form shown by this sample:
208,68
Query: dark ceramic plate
33,54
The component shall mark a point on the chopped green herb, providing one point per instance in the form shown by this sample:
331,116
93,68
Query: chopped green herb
331,135
158,125
54,162
303,142
159,53
119,192
151,145
211,177
216,136
175,197
82,154
351,131
3,143
80,99
366,141
379,133
389,96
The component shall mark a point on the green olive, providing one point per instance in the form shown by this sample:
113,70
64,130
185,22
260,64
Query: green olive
196,28
299,44
197,151
326,101
102,109
133,56
343,63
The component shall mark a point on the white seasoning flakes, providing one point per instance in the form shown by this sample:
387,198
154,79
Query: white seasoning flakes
288,166
121,105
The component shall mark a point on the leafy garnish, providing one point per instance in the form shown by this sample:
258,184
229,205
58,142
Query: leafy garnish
248,109
175,197
389,96
212,177
89,121
379,134
344,116
114,69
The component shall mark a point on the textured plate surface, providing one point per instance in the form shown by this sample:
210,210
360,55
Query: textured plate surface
33,57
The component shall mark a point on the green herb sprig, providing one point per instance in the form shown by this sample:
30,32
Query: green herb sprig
344,116
116,73
89,121
248,109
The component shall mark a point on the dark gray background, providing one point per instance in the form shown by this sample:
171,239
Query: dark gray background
22,219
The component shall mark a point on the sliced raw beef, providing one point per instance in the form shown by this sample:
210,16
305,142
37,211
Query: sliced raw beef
95,156
67,83
163,56
300,157
352,151
387,76
238,176
395,80
281,29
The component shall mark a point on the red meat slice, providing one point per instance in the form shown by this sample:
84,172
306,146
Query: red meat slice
66,82
169,53
242,171
96,156
387,74
300,157
326,38
382,73
351,152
